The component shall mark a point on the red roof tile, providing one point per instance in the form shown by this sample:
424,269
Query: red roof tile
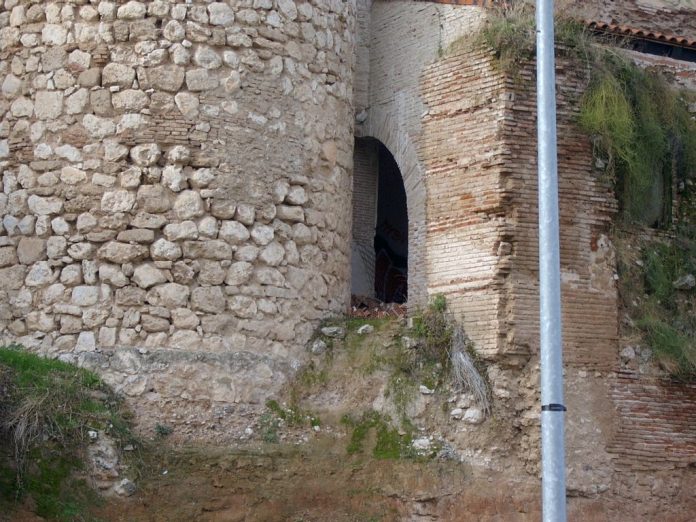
632,32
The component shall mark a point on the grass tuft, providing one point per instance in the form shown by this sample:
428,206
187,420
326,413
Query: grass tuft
47,407
446,347
663,315
674,350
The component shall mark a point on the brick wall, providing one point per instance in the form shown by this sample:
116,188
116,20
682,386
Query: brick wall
655,422
361,83
412,33
365,176
587,206
462,149
480,150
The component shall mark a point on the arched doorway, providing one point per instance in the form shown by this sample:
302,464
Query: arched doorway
380,225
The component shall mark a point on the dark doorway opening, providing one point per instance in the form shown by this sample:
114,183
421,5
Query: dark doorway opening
379,250
391,232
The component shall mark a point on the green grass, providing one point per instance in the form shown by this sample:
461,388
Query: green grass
664,264
292,415
46,413
664,316
510,31
389,444
675,350
269,426
667,315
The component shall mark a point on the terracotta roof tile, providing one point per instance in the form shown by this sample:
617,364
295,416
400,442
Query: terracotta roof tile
633,32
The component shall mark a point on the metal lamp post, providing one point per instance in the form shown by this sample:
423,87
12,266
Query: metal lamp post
552,414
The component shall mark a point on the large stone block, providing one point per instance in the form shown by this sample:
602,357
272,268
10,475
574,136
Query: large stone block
8,256
48,105
153,199
208,249
208,299
189,204
117,201
168,78
118,74
146,155
131,10
146,276
169,295
120,253
40,274
201,80
30,250
85,295
220,14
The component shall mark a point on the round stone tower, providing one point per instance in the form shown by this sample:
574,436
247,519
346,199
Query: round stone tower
176,191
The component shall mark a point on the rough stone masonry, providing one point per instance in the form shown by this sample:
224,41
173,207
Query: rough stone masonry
176,193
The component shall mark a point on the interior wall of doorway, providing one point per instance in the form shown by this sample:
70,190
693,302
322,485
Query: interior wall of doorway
379,258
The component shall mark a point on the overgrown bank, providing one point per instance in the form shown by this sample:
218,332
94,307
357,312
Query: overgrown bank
375,379
54,422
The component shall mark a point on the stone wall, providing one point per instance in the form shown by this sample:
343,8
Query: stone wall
176,193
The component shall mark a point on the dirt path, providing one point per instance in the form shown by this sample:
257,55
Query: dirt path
316,482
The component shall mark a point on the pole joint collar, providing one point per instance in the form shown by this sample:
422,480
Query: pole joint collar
553,407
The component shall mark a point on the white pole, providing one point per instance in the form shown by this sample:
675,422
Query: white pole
552,414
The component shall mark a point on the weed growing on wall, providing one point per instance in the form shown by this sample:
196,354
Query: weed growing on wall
644,138
640,126
667,317
658,298
643,132
446,346
292,415
510,31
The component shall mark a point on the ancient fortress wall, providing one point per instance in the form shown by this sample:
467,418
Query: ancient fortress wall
176,191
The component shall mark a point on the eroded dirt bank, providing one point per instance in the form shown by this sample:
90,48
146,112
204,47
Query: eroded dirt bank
319,482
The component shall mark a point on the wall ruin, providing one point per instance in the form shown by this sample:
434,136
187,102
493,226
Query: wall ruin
176,207
472,129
